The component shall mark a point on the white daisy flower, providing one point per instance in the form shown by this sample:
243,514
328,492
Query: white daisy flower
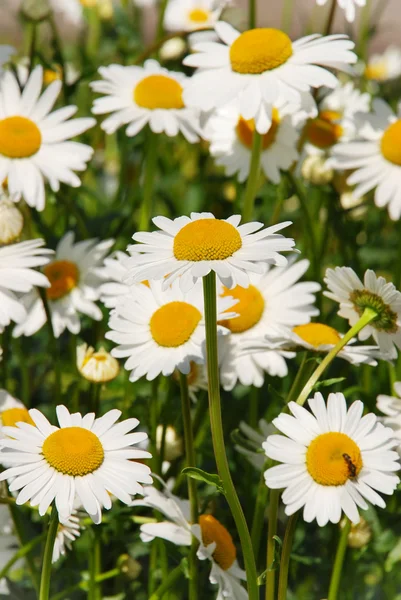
333,460
17,275
190,15
12,411
376,158
231,138
261,65
68,531
273,297
114,271
35,143
85,458
138,96
97,367
384,67
5,53
160,331
74,287
348,6
391,407
11,219
249,442
347,289
191,247
215,542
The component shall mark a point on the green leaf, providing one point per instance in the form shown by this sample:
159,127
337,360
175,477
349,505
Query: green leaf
328,382
208,478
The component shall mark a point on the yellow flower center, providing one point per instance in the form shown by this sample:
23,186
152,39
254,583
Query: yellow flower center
206,239
323,131
12,416
213,531
63,276
317,334
19,137
249,308
377,71
173,324
259,50
391,143
50,75
74,451
333,458
158,91
245,130
199,15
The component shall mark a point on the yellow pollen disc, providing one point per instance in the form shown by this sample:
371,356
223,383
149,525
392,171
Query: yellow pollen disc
245,130
63,276
50,75
376,71
12,416
317,334
199,15
391,143
206,239
249,308
73,451
19,137
173,324
158,91
333,458
323,131
259,50
213,531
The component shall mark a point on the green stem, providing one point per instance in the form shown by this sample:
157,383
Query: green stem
253,178
368,316
59,54
47,557
148,182
338,562
330,18
81,585
209,293
96,391
95,562
304,372
54,348
21,553
285,557
192,491
167,584
252,14
253,407
287,16
271,532
259,514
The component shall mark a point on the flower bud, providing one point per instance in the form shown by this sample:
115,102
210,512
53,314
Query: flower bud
11,221
172,442
314,170
97,367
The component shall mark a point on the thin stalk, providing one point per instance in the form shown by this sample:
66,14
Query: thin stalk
167,583
54,348
148,182
47,556
259,514
330,18
285,556
253,407
252,13
209,294
364,30
32,45
286,18
304,372
271,532
95,592
21,553
253,178
81,585
338,562
96,391
192,491
368,316
58,53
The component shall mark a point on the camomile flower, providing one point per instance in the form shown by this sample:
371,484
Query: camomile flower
85,459
354,297
114,272
68,531
384,67
138,96
11,219
376,158
261,65
215,541
332,460
391,407
12,411
273,297
160,331
74,287
231,138
191,247
17,276
34,143
97,367
348,6
190,15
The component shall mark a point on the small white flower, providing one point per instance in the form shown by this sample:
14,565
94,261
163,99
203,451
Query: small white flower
12,411
11,219
391,407
191,247
333,460
190,15
114,271
67,532
384,67
137,96
97,367
348,6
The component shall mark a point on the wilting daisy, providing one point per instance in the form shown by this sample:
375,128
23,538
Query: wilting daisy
347,289
259,66
160,331
191,247
391,407
348,6
97,367
137,96
74,287
333,460
376,158
113,271
215,542
68,531
17,276
87,459
231,138
11,219
34,143
384,67
190,15
273,297
12,411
